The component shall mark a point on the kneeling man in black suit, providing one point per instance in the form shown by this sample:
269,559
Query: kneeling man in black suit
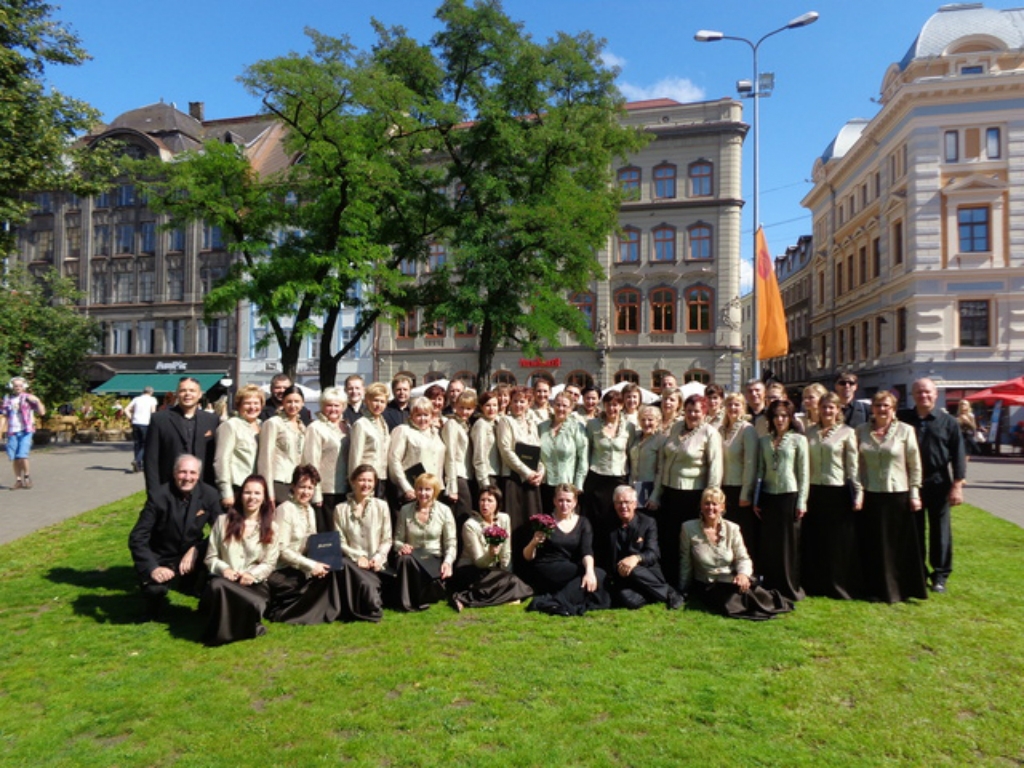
168,543
636,577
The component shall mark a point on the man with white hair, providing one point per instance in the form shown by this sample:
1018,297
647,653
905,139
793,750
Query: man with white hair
168,543
18,409
635,569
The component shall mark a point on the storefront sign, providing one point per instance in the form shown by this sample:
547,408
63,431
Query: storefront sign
554,362
172,366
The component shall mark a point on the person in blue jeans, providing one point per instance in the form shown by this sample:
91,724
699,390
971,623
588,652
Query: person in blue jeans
18,408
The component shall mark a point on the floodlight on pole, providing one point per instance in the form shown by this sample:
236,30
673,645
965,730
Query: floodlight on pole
756,91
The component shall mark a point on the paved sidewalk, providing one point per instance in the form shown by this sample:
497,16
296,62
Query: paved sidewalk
68,479
71,479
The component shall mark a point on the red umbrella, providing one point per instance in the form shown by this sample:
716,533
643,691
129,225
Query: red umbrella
1010,392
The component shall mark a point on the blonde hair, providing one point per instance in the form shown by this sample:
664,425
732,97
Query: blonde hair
427,479
249,390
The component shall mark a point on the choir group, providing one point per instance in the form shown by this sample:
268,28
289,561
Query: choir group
580,501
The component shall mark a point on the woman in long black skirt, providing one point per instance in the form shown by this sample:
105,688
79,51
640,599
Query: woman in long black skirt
516,434
240,557
302,590
483,574
424,549
890,471
716,569
831,561
783,471
691,460
363,521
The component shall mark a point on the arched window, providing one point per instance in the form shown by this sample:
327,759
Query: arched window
701,179
663,310
579,379
664,244
584,302
697,375
432,376
629,183
503,377
700,241
629,246
540,375
627,375
698,309
627,310
657,379
466,377
664,181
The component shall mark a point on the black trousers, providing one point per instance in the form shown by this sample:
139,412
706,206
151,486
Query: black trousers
935,512
643,585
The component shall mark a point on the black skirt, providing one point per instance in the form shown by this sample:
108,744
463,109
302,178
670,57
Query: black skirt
830,560
522,501
234,612
676,507
890,555
296,598
779,548
756,604
474,587
561,593
362,594
414,587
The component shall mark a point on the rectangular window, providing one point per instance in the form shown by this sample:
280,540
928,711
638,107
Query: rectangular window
972,69
821,289
44,246
584,302
664,244
993,146
665,182
862,256
103,200
145,341
174,337
74,241
101,240
213,336
901,329
701,180
407,267
434,330
100,285
876,257
121,338
698,310
974,323
465,329
663,311
259,351
406,328
627,311
629,246
853,343
972,227
897,243
700,242
125,196
148,232
125,238
878,337
175,282
951,146
438,256
212,239
124,284
865,339
629,183
147,285
841,354
176,240
849,274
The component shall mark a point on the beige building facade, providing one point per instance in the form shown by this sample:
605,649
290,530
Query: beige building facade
918,266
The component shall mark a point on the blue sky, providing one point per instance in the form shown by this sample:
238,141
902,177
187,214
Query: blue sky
825,74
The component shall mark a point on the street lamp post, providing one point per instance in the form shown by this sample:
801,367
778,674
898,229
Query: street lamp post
754,90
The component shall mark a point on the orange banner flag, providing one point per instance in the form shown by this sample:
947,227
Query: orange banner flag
772,338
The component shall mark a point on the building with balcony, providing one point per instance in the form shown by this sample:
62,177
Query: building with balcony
670,301
918,266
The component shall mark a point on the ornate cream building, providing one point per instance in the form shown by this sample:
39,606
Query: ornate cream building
918,266
670,303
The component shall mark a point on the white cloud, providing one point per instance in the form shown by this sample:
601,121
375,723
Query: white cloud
678,88
609,59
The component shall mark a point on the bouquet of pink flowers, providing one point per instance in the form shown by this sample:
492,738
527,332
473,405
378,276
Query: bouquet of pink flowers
543,523
495,535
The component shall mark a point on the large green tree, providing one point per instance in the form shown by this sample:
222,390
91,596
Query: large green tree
38,126
333,227
526,133
44,337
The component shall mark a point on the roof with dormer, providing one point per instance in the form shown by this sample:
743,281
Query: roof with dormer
955,21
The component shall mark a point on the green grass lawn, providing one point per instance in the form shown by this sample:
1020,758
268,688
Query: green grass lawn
939,682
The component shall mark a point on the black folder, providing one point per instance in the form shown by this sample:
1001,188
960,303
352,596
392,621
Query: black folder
326,548
529,455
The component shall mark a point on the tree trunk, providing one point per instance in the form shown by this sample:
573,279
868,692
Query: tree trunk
328,361
485,356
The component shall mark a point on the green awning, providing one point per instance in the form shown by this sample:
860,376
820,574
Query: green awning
133,383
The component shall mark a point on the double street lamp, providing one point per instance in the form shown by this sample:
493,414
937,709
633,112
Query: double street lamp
754,89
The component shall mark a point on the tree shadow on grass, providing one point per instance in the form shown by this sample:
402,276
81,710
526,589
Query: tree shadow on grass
126,605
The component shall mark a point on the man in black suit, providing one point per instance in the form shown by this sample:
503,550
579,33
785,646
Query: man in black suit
278,385
183,428
397,411
167,542
636,577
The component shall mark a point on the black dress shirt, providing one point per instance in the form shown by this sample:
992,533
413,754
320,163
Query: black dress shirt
941,444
